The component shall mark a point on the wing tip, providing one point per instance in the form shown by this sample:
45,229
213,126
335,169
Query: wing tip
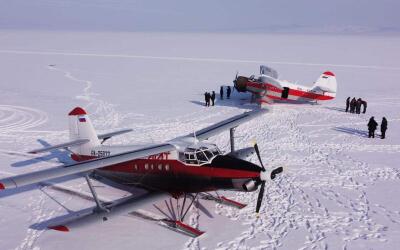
60,228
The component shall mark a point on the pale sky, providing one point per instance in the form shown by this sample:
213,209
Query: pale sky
202,15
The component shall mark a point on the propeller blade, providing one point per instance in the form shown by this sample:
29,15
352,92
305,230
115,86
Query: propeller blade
260,196
236,77
275,172
258,155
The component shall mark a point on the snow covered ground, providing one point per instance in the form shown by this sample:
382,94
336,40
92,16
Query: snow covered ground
339,188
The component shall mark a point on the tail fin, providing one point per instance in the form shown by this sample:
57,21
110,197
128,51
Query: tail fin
326,83
80,127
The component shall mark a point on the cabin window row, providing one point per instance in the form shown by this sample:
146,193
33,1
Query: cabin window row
159,166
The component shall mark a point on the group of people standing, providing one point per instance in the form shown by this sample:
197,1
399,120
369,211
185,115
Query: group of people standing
209,97
228,92
354,105
372,125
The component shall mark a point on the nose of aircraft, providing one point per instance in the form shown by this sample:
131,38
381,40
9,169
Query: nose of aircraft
241,83
230,162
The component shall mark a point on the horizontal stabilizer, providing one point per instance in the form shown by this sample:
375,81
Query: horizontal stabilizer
107,136
62,145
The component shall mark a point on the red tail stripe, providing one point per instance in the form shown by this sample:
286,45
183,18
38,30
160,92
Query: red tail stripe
77,111
328,73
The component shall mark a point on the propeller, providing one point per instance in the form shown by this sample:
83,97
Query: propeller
236,77
264,177
261,193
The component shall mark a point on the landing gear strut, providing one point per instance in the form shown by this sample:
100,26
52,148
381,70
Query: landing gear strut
176,222
232,139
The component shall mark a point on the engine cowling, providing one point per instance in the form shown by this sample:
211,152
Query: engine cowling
250,185
242,153
241,83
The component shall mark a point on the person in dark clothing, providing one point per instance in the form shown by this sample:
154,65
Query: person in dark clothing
358,106
221,93
353,105
364,104
213,98
207,98
228,92
383,128
347,104
372,124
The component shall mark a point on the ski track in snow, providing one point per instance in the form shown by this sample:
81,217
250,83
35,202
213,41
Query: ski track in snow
317,174
17,118
322,193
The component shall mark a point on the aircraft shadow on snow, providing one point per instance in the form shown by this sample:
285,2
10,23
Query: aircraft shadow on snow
236,100
57,155
352,131
336,109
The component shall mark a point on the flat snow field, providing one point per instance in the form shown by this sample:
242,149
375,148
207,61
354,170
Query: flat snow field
339,189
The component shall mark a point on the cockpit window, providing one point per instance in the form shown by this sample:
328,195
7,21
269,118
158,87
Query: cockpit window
199,156
208,154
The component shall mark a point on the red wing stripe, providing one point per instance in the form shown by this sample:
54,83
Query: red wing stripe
2,186
60,228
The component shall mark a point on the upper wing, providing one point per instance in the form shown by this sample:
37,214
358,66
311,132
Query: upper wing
232,122
52,173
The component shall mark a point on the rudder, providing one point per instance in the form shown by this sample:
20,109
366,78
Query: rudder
80,127
326,83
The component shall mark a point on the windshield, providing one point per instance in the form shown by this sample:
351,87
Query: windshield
199,156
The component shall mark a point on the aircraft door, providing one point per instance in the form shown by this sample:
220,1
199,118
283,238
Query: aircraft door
285,93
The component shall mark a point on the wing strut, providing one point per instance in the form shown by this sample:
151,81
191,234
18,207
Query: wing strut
99,205
232,138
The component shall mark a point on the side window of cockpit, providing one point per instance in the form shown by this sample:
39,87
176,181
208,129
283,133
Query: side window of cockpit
208,154
201,156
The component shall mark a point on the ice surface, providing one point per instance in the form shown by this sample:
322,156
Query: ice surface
339,188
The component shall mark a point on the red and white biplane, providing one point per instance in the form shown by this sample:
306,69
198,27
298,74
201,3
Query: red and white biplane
267,88
185,168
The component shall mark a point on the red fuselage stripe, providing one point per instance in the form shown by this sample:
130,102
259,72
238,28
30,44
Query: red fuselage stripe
293,92
175,167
